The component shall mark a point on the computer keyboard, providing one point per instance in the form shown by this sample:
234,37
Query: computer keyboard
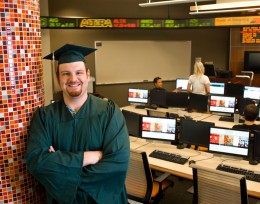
230,119
250,175
170,157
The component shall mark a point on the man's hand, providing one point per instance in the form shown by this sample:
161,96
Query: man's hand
92,157
51,149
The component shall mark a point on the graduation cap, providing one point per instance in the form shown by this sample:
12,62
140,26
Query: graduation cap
70,53
67,54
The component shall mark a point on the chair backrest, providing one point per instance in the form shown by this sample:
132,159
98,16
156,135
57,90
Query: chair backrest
139,181
217,187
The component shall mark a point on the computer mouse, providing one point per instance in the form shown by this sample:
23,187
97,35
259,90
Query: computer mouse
192,162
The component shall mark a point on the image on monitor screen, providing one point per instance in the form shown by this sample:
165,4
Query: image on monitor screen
177,99
138,96
133,122
198,102
229,141
222,104
181,83
252,92
217,88
194,132
157,128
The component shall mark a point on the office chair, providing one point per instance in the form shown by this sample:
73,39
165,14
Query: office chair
217,187
140,184
157,113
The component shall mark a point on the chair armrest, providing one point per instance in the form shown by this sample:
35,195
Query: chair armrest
162,177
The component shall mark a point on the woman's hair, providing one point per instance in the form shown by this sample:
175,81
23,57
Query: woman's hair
199,68
251,112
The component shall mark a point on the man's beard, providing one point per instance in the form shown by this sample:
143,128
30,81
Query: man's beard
75,93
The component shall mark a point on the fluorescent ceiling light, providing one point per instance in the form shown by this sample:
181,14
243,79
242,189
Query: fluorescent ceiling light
164,3
226,7
224,11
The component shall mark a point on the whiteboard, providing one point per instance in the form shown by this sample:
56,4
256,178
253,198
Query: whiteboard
138,61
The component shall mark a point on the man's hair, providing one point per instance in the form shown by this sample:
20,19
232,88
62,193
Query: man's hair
156,79
251,112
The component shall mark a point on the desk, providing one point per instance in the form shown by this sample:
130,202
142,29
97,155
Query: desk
180,111
203,158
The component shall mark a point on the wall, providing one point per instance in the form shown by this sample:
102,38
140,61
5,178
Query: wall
212,44
237,53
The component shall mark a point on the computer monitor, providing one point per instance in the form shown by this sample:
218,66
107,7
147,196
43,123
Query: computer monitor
242,103
133,122
256,146
182,83
138,96
217,88
236,90
220,73
198,102
229,141
158,97
209,70
177,99
222,104
252,92
194,132
157,128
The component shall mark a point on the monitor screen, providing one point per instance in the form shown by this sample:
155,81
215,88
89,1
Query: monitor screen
217,88
182,83
158,128
177,99
133,123
138,96
222,104
251,61
229,141
232,89
252,92
194,132
198,102
158,97
256,152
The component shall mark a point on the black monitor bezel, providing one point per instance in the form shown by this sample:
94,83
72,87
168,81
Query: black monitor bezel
249,97
200,104
228,153
220,83
159,139
138,102
172,99
137,123
214,111
190,130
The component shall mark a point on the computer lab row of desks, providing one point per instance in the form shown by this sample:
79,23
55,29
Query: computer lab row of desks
201,158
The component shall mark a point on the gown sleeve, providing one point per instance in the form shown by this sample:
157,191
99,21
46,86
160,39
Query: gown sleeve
106,180
59,173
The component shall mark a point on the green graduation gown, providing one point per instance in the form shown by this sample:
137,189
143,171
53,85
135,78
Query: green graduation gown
98,125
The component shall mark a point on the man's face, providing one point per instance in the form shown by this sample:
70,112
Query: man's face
73,79
159,83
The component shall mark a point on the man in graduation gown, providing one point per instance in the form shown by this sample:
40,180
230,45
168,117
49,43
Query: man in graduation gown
78,147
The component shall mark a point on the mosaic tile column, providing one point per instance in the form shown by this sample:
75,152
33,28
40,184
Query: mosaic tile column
21,92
